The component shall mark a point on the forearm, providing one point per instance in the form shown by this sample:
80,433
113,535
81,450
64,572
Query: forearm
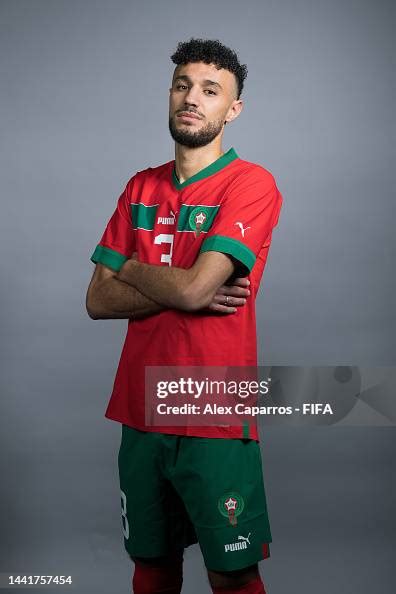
169,286
113,299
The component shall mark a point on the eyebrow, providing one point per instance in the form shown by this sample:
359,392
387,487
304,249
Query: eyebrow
206,82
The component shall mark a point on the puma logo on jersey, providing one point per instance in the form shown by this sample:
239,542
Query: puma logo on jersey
167,220
242,544
242,228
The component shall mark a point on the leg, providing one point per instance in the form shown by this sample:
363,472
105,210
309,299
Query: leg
241,581
221,484
158,575
155,523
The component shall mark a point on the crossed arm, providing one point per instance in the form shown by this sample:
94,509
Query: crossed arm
139,290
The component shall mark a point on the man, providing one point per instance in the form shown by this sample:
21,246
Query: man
182,257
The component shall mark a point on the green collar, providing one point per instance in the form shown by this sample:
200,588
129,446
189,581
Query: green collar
214,167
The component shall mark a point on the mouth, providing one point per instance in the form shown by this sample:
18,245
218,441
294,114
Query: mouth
188,115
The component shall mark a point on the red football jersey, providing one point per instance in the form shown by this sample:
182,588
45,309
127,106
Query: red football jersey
231,206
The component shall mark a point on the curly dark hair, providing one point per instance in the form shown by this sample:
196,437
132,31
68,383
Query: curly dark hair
211,51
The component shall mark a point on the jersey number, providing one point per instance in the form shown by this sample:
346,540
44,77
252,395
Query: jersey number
165,238
125,525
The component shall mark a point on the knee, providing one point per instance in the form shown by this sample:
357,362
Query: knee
158,574
233,579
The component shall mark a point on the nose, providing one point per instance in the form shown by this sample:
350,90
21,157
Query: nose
191,97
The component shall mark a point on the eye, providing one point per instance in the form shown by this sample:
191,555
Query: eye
180,85
210,91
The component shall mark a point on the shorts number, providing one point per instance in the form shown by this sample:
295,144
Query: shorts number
125,525
165,238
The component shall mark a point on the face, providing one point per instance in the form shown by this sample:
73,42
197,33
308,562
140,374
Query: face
201,99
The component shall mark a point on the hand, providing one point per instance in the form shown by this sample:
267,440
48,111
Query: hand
234,294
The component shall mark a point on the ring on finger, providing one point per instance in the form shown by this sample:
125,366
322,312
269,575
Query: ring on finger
227,299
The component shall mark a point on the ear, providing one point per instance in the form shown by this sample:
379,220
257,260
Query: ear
234,110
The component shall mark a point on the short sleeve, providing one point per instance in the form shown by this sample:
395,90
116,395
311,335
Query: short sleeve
118,240
246,218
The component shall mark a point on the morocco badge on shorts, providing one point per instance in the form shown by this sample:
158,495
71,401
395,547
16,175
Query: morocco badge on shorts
231,506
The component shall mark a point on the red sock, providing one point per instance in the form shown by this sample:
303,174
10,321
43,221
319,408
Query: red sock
148,579
256,586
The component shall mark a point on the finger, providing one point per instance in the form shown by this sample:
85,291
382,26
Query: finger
217,307
238,301
231,301
222,290
238,291
233,290
241,282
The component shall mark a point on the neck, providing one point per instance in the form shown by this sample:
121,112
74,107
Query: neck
188,161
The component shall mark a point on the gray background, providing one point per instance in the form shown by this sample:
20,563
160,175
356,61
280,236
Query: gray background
84,103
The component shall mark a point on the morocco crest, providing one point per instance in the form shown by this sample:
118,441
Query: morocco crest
231,506
198,218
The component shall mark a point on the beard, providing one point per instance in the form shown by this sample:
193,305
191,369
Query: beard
196,139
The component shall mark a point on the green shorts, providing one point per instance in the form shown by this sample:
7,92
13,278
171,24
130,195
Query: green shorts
179,490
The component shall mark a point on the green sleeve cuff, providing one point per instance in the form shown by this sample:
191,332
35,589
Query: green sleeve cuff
233,247
108,257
